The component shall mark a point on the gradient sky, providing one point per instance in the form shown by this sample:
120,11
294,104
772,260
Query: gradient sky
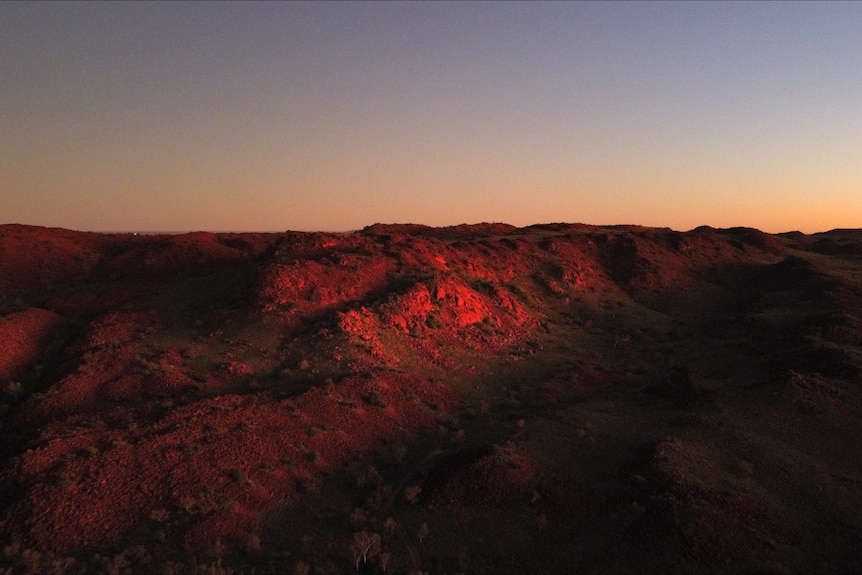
334,116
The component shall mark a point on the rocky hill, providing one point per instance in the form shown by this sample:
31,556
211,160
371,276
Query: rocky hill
559,398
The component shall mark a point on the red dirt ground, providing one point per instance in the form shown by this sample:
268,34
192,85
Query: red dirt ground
559,392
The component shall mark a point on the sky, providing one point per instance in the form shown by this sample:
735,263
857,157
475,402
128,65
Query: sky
334,116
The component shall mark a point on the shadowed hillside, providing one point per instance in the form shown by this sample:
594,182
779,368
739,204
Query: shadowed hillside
405,399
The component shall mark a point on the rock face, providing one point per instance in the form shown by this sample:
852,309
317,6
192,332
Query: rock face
551,394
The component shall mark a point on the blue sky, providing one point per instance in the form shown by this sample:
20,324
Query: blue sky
333,116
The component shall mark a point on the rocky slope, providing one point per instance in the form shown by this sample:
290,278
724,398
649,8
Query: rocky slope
477,399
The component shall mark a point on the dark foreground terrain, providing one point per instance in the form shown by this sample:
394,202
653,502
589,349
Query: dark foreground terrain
478,399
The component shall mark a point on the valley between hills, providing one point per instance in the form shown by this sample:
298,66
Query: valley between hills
477,399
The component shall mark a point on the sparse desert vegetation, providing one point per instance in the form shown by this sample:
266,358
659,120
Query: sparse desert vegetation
403,399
